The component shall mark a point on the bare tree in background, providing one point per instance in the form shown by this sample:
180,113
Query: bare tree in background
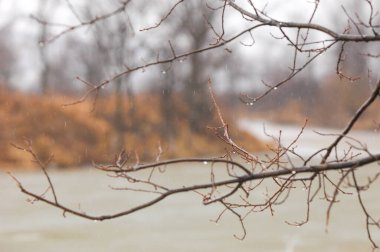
7,57
187,78
113,43
42,49
195,25
245,172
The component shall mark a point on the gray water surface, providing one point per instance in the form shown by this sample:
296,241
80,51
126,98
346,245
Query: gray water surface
180,223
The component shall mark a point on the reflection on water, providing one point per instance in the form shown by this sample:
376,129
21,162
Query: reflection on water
180,223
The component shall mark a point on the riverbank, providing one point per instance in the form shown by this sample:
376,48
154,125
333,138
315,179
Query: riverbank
76,136
310,139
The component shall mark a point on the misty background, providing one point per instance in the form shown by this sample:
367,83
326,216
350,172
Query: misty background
39,57
31,61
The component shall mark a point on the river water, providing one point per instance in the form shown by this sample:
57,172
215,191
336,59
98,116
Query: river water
180,223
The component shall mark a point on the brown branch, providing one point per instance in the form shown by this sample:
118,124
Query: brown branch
97,87
235,189
164,18
40,163
369,219
309,26
237,180
239,218
226,136
140,167
338,70
352,122
293,73
120,9
335,195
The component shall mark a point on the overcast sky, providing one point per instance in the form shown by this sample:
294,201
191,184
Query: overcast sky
329,14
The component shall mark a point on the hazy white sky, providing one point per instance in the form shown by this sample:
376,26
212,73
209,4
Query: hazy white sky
329,14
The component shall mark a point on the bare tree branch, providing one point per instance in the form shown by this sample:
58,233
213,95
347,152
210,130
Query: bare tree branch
352,122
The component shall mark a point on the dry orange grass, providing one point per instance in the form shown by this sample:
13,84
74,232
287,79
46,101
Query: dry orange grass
78,135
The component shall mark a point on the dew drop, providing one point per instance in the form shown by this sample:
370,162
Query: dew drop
294,172
205,162
275,88
163,72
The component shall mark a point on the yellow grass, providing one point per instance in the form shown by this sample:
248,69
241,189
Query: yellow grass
78,135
